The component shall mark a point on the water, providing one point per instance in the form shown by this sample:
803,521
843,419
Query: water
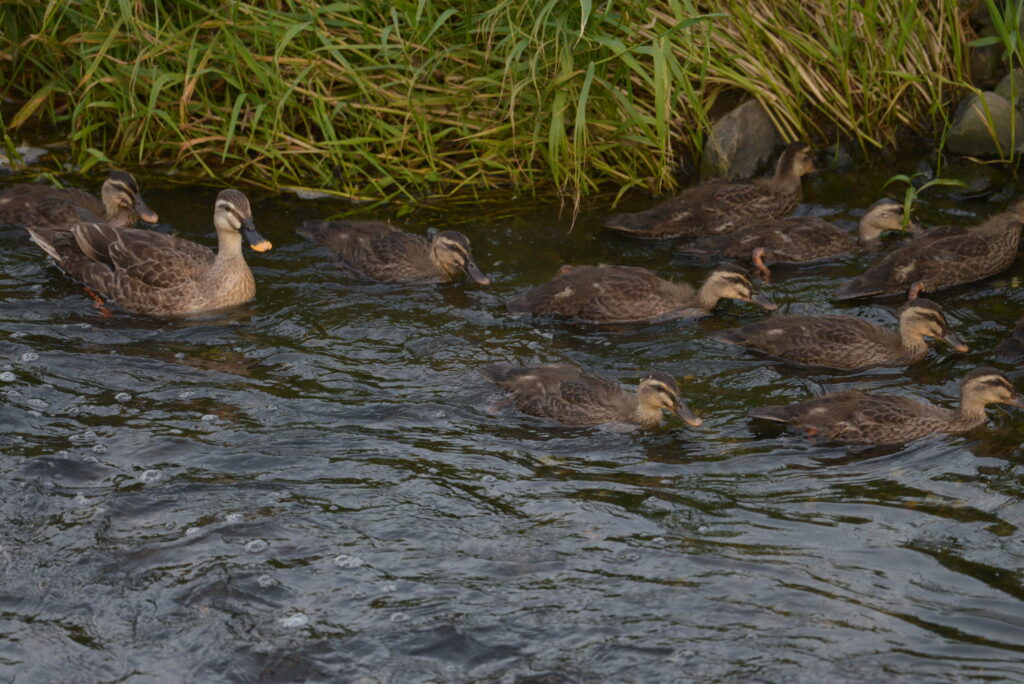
313,488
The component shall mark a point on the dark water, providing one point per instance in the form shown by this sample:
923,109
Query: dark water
312,488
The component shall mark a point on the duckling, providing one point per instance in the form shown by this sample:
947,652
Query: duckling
628,294
152,273
379,251
800,239
568,395
722,206
1013,346
857,417
43,206
847,342
942,257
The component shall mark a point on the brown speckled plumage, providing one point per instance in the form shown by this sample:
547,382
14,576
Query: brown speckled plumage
568,395
721,206
629,294
379,251
857,417
846,342
801,239
943,257
43,206
152,273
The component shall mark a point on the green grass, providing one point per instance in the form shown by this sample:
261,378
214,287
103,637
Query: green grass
414,97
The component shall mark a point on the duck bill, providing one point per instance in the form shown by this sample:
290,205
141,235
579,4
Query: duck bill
478,276
144,212
688,416
763,302
255,240
1016,400
955,342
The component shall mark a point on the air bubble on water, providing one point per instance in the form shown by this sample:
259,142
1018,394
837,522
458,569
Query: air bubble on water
346,561
191,531
487,478
18,335
658,540
389,587
256,545
88,435
123,397
13,394
37,403
265,581
702,529
399,617
29,357
89,458
187,394
35,413
80,499
233,517
100,449
150,476
7,376
294,621
180,355
208,417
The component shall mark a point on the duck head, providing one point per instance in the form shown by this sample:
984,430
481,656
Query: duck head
451,253
233,216
121,198
659,392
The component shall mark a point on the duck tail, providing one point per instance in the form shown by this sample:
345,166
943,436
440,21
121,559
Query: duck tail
500,373
44,238
852,289
780,414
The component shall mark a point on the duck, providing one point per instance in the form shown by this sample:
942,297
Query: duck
942,257
146,272
879,418
379,251
800,239
630,294
1013,346
846,342
570,396
722,206
120,205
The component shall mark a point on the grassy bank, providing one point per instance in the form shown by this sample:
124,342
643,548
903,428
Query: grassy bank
374,99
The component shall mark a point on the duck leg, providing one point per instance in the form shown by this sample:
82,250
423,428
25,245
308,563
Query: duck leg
758,258
915,291
98,303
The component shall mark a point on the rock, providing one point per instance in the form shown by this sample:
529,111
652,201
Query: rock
986,61
1013,92
741,143
979,180
969,134
24,156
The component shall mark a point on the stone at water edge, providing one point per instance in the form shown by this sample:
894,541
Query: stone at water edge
741,143
1014,94
969,134
25,156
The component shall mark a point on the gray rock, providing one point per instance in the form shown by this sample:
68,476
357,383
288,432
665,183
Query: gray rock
986,61
24,156
1013,91
970,134
741,143
979,180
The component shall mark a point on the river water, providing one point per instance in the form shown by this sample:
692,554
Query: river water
316,486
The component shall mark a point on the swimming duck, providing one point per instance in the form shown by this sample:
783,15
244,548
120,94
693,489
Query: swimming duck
722,206
1013,346
43,206
379,251
847,342
152,273
800,239
857,417
943,257
568,395
629,294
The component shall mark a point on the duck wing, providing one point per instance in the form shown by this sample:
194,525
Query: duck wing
152,259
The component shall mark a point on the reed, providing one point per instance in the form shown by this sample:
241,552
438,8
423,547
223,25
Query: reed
416,97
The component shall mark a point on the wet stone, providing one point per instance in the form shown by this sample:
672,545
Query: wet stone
970,133
741,143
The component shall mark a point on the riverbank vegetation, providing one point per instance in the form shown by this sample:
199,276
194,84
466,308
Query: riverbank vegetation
414,97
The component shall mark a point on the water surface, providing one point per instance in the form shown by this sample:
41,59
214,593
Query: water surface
314,488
